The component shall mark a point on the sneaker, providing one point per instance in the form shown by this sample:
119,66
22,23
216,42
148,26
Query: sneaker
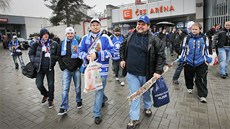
176,82
122,83
148,112
79,105
223,76
44,99
203,100
51,104
189,91
133,124
226,74
62,112
97,120
117,79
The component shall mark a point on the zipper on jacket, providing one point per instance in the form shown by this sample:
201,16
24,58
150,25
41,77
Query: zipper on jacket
194,53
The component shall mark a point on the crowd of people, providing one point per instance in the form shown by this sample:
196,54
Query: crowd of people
138,57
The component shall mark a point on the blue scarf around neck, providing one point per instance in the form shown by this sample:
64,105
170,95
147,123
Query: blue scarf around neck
74,47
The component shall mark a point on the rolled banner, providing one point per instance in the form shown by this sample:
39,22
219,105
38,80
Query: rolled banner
145,87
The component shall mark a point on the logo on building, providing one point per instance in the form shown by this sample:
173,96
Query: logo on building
127,14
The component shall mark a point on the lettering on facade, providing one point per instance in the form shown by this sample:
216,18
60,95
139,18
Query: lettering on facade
127,14
160,9
3,20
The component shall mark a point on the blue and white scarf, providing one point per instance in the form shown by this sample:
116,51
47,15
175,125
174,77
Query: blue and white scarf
74,48
90,36
14,43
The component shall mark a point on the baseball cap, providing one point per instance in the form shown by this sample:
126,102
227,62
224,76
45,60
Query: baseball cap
95,20
189,24
14,37
145,19
69,30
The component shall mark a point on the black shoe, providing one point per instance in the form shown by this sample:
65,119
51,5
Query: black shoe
176,82
44,99
51,104
79,105
16,65
103,105
148,112
62,112
226,74
97,120
223,76
133,124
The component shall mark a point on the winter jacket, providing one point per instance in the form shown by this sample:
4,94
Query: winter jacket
66,62
222,38
103,49
155,54
117,44
195,51
36,54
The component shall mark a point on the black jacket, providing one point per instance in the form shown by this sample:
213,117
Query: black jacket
221,39
35,54
66,62
155,55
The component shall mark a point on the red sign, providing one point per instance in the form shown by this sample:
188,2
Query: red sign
3,20
161,9
127,14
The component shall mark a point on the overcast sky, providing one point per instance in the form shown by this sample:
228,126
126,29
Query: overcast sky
36,8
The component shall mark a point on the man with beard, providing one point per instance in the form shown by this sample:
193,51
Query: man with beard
143,56
117,39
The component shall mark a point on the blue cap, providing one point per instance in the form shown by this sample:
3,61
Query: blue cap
145,19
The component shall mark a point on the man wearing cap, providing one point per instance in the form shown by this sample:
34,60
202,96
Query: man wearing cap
43,55
142,53
98,47
117,39
14,47
69,63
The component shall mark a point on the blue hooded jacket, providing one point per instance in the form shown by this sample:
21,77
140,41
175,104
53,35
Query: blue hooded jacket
195,51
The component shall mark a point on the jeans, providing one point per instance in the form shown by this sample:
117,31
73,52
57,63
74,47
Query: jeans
178,71
20,60
118,70
224,58
66,80
171,47
99,99
134,83
40,85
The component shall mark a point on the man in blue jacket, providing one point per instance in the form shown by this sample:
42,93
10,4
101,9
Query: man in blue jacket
117,40
97,47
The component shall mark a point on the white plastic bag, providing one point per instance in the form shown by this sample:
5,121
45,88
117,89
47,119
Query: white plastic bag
92,77
214,59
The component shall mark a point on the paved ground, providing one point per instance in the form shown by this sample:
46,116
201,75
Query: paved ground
21,108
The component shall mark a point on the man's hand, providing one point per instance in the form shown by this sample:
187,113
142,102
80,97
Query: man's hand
91,57
156,75
122,64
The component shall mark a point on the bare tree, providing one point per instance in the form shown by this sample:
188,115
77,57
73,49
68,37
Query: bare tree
4,4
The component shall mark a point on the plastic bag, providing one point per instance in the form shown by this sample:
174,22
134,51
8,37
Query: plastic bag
214,59
160,93
92,77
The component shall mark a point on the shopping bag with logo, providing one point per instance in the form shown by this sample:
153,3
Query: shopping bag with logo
92,77
160,93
